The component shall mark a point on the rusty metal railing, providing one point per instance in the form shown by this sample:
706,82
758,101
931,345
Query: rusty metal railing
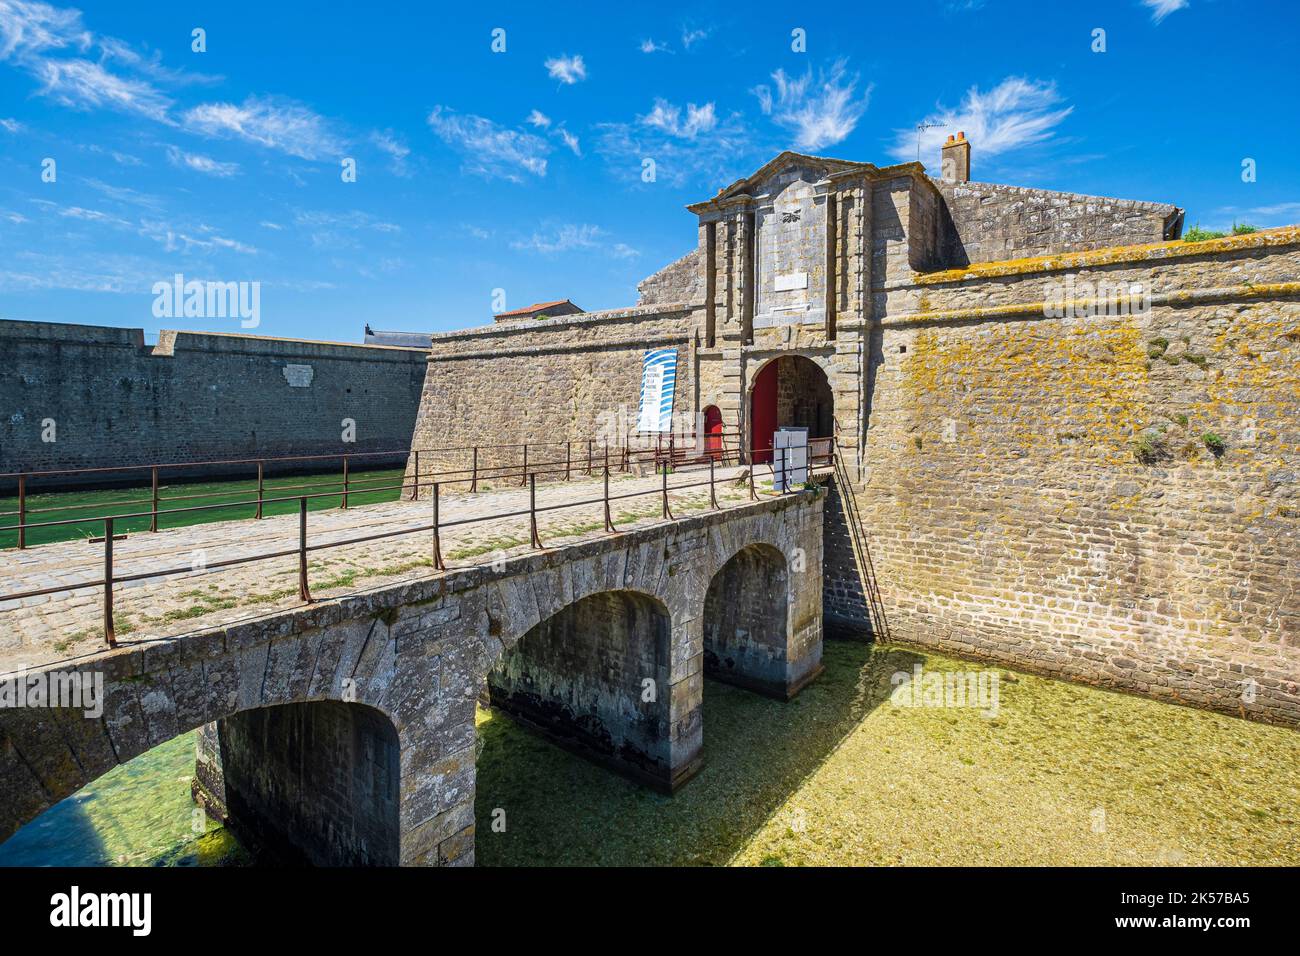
679,450
663,465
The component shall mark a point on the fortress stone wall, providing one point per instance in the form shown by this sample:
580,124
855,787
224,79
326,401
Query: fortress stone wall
1083,463
195,397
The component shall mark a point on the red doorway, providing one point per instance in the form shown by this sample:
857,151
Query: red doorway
762,413
713,431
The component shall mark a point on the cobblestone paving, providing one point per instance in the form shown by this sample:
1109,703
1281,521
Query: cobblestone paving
64,626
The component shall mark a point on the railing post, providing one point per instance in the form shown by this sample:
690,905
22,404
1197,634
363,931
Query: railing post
753,495
532,511
713,498
524,480
671,452
588,457
667,514
109,635
568,459
437,534
415,478
627,442
345,482
473,472
303,593
259,489
153,516
609,524
22,512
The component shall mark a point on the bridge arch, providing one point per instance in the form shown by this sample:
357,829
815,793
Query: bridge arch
593,676
747,620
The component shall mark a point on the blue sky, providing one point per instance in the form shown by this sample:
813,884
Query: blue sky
522,170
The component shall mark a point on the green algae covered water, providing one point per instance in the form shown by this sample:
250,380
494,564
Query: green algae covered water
138,814
847,773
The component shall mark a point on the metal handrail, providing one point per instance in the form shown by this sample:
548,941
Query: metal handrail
303,548
347,487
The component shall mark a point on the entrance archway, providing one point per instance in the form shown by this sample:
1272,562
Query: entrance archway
790,390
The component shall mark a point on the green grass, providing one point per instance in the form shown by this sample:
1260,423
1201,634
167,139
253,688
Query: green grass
839,776
84,504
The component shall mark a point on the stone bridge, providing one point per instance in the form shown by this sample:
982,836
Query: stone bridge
342,732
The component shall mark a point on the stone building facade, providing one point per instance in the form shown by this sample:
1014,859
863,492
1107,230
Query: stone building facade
1071,437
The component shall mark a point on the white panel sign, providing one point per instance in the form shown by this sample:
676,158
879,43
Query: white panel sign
789,458
790,281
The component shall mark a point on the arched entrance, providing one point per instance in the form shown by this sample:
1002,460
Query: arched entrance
713,431
790,390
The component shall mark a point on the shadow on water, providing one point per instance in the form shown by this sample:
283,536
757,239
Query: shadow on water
561,810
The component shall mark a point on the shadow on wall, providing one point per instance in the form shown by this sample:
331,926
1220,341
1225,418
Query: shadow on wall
561,810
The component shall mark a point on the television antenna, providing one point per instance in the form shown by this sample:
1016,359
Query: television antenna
921,128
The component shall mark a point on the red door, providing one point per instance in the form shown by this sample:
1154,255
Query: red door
762,413
713,431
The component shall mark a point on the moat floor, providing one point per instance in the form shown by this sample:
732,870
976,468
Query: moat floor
839,776
1063,775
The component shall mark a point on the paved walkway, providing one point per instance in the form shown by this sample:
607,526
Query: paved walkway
64,626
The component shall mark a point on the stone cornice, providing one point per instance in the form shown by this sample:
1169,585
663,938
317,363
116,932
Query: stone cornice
1114,255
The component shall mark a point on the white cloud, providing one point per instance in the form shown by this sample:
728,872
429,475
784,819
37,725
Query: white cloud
391,144
570,237
35,37
692,36
338,230
16,218
267,224
570,141
488,148
11,126
668,118
203,239
704,148
81,84
1017,112
566,69
1162,8
820,116
275,123
200,163
539,119
652,46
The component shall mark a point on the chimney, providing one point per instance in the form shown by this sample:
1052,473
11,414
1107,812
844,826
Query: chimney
955,159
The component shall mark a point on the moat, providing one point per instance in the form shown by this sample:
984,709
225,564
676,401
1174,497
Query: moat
1062,775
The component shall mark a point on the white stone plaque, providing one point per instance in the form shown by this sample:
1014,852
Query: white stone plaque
298,376
790,281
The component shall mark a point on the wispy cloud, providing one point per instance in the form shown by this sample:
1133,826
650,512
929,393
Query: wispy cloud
339,230
11,126
275,123
695,145
653,46
1162,8
539,119
387,141
489,149
202,238
818,115
566,69
573,237
570,141
200,163
1017,112
44,40
693,35
668,118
